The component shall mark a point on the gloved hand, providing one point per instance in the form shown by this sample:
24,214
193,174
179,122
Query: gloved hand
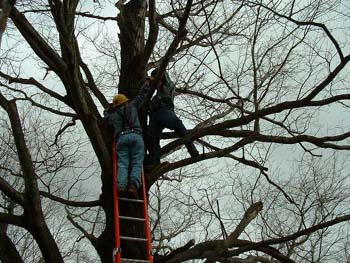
109,109
149,80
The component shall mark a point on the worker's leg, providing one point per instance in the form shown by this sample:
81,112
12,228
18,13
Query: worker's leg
155,133
123,160
137,154
171,121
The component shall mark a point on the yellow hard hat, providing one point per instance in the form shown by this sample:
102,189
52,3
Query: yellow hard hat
119,99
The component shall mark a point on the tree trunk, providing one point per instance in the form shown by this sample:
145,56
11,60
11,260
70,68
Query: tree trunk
131,21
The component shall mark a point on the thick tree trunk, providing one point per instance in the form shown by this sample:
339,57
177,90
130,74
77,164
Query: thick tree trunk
105,242
131,21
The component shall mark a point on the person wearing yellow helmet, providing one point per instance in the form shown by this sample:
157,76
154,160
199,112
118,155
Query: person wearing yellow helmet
123,117
119,99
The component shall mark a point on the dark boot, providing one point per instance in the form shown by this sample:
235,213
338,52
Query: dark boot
133,191
122,191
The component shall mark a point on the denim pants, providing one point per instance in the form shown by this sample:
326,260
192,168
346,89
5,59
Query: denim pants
130,154
166,118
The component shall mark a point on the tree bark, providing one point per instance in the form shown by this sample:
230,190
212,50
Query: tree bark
131,21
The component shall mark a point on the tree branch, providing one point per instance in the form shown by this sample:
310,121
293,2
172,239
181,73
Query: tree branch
153,30
308,23
161,259
103,18
90,237
296,235
249,215
6,6
70,202
92,85
32,81
27,167
10,192
38,44
34,103
158,171
11,219
181,33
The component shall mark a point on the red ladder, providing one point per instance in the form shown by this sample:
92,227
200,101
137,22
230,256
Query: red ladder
117,253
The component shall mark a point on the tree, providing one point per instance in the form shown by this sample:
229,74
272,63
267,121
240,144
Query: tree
252,75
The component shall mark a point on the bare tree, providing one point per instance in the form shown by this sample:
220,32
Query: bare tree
250,75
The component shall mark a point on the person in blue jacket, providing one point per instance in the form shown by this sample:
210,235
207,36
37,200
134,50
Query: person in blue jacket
162,116
123,117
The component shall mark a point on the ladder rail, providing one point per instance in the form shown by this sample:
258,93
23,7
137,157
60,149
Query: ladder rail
147,223
116,252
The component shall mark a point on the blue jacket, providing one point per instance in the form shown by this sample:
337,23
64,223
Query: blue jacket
125,117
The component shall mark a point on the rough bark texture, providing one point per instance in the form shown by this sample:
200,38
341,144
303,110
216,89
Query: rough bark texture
131,21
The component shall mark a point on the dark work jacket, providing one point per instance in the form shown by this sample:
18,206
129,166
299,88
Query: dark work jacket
164,99
125,117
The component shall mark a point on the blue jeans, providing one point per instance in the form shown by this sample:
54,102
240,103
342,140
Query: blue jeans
130,154
166,118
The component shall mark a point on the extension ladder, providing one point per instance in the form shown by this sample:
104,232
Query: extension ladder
117,253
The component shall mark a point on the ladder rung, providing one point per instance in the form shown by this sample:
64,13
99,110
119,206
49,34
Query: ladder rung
131,260
130,200
132,218
133,238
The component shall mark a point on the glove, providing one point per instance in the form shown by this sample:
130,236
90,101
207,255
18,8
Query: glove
148,80
109,109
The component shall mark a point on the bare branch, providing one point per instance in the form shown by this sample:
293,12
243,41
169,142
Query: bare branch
11,219
34,103
90,237
249,215
309,23
102,18
10,192
181,33
153,30
38,44
70,202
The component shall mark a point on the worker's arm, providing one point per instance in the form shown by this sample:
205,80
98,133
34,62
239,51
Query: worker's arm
107,111
144,91
107,114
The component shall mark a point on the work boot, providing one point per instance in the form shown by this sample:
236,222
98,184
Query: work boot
122,190
133,191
